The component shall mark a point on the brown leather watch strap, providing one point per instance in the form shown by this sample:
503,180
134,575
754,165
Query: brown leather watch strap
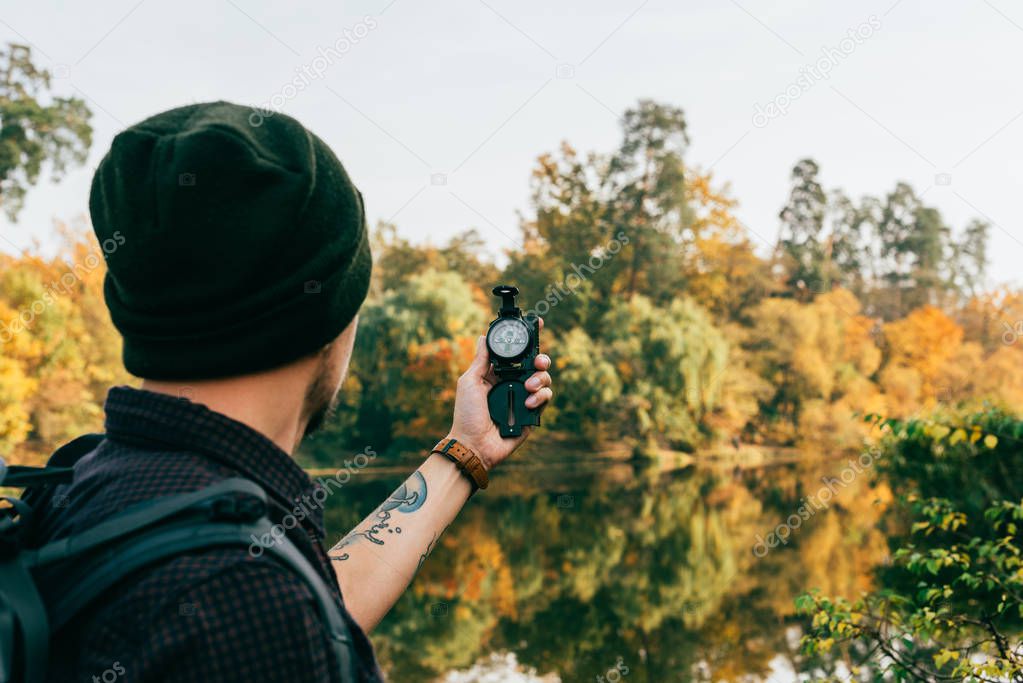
468,462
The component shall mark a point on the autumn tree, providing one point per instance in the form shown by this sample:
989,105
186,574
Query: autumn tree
425,329
628,210
396,259
819,359
917,349
60,352
993,319
569,226
721,268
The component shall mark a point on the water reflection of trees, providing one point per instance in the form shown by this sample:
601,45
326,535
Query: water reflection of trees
657,570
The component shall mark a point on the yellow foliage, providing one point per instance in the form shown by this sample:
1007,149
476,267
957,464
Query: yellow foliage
1000,377
723,272
902,387
924,341
60,352
859,347
15,389
993,319
821,357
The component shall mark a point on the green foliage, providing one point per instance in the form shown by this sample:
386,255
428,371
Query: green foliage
970,459
378,399
672,363
802,225
647,199
895,253
951,605
36,127
589,389
961,620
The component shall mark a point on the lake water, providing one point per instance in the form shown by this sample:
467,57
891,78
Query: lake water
588,569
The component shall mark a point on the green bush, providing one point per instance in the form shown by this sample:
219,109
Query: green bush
950,606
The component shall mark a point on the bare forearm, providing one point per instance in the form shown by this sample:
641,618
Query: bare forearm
377,560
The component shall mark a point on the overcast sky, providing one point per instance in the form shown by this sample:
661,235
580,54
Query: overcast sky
468,92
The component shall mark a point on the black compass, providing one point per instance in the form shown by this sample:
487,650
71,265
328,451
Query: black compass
513,341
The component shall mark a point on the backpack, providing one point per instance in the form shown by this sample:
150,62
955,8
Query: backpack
42,589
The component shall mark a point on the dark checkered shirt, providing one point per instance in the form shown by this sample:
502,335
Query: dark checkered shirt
217,615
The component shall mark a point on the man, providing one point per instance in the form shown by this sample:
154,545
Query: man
241,265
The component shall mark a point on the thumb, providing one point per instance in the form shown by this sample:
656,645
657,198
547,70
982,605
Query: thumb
481,362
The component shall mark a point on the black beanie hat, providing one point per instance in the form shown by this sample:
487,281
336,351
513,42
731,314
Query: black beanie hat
238,244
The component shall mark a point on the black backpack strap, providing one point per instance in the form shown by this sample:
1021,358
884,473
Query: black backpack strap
20,476
24,623
71,452
213,500
95,577
26,619
59,469
166,527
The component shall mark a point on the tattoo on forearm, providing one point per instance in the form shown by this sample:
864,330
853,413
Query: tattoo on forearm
407,498
426,553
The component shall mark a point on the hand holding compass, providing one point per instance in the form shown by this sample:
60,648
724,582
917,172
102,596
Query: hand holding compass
501,360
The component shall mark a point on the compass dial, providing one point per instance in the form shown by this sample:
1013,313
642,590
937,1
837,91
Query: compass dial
508,338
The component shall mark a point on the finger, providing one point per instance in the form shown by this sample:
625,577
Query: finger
539,379
481,361
541,322
542,362
539,398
